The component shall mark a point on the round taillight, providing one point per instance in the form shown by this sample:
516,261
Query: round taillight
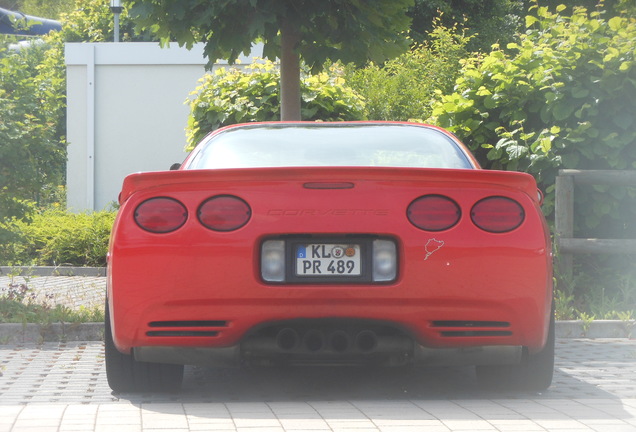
497,214
161,215
434,213
224,213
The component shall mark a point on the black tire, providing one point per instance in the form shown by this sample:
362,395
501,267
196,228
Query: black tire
534,373
125,374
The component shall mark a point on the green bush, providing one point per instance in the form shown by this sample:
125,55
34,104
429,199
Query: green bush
55,237
407,87
32,151
229,96
33,106
563,96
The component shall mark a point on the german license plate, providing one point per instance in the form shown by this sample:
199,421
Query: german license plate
328,259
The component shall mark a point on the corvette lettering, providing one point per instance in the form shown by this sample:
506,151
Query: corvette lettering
328,212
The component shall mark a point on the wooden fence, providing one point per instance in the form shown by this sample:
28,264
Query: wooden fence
566,244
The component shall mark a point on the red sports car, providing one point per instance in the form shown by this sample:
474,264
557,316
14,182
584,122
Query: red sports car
329,243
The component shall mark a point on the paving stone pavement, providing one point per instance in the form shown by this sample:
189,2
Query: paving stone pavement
59,387
62,387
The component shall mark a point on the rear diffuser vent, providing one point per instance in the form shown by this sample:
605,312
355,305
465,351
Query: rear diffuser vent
182,333
185,328
472,328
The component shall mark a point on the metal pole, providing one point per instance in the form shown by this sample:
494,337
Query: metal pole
116,36
116,8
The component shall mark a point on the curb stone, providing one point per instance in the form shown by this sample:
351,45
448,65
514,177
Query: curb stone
11,333
596,329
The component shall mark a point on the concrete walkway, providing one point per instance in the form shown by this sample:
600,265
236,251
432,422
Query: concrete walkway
62,387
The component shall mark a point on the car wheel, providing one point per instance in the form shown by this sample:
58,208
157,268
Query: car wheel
534,373
125,374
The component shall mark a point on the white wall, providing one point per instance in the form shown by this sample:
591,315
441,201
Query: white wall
125,113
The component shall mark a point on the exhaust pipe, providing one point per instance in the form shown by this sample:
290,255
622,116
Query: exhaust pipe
314,340
366,341
339,341
287,339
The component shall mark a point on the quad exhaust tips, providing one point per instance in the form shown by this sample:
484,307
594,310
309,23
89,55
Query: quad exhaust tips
366,341
287,339
314,341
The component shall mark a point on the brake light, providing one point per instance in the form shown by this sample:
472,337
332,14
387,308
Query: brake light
160,215
497,214
433,213
224,213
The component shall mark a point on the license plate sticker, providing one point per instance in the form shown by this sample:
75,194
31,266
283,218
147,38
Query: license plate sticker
328,259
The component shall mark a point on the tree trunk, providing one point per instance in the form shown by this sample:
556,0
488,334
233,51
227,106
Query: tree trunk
289,73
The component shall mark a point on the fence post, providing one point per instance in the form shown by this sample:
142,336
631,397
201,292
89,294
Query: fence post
564,224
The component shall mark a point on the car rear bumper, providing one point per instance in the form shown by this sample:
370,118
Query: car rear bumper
393,353
254,328
458,298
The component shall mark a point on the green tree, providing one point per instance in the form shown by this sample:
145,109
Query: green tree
486,21
92,21
311,30
406,87
610,8
230,96
51,9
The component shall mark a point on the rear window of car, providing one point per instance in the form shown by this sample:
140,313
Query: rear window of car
312,145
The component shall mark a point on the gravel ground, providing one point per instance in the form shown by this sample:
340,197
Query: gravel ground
71,291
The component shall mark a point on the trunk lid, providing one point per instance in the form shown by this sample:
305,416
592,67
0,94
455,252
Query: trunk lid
327,178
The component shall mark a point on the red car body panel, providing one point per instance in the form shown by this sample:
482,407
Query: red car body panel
461,274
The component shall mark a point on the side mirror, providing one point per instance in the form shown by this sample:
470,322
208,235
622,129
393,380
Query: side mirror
540,196
175,166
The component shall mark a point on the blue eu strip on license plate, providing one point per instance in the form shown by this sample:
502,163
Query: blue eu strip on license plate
328,259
